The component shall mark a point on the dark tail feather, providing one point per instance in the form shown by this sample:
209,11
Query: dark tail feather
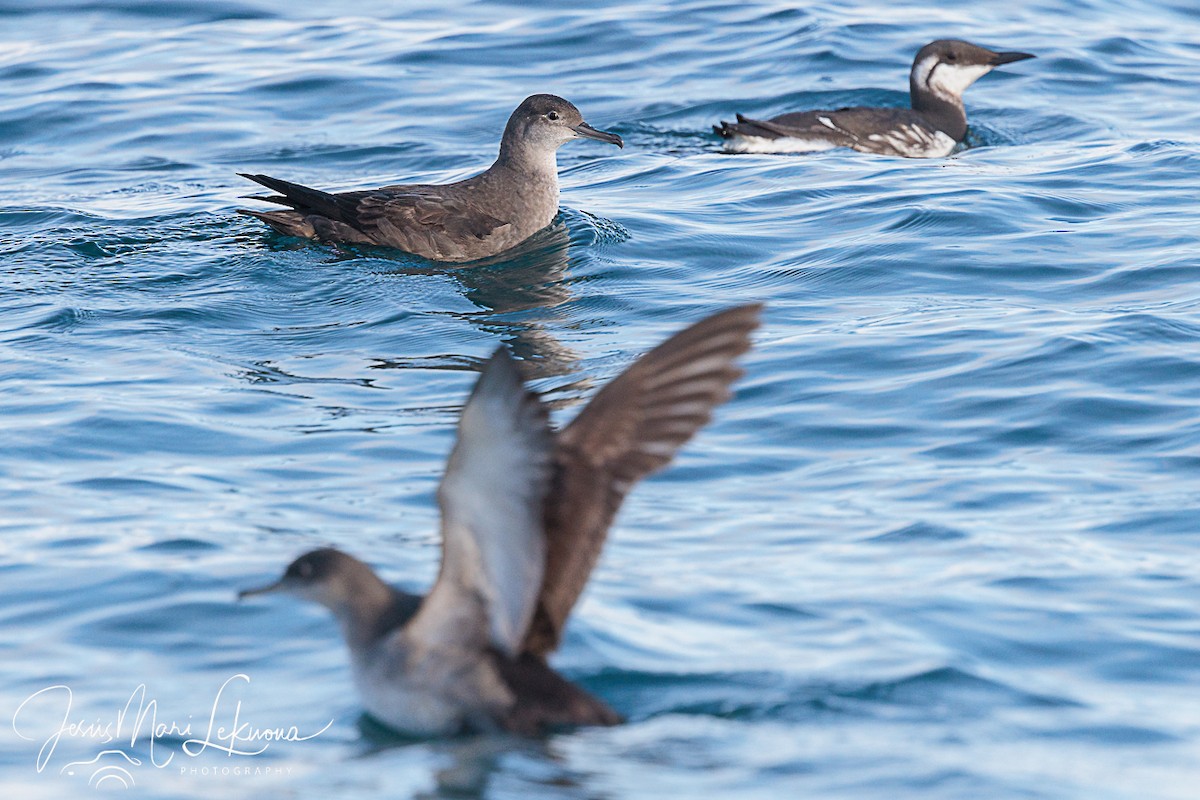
289,223
267,198
546,701
745,126
305,198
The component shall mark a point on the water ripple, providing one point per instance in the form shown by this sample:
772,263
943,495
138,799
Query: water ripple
941,541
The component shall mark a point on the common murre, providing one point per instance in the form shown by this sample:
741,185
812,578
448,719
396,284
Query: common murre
475,218
933,127
525,511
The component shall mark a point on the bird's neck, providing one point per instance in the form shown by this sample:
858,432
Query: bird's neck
945,113
371,610
536,164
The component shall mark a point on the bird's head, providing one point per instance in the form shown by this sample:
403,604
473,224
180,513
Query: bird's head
947,67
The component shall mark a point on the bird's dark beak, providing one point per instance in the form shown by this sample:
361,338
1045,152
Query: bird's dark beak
587,131
270,587
1008,58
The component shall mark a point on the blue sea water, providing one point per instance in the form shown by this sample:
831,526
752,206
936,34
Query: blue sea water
943,542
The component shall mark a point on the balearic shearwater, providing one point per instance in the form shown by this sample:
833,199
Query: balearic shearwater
525,512
933,127
475,218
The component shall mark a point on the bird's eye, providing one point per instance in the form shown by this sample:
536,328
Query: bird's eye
552,116
951,58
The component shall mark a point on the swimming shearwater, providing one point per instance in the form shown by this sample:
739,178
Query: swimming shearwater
475,218
525,511
933,127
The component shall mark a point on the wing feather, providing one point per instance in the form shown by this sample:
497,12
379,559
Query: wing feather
417,218
491,498
632,427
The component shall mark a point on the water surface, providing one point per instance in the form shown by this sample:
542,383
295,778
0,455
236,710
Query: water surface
942,543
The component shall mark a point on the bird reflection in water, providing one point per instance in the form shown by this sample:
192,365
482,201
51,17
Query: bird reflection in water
520,295
464,766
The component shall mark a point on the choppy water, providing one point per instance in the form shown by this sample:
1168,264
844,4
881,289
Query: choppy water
943,543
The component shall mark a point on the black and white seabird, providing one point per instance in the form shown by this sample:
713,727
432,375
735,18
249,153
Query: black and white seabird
475,218
934,126
525,512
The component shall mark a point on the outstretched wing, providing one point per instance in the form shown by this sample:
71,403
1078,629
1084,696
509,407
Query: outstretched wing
491,498
632,427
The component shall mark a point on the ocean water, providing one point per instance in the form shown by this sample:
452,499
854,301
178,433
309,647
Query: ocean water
944,541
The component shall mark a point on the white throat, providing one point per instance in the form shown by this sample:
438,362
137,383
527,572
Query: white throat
948,81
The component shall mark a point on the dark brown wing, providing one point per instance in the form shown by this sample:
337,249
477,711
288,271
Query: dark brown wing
416,221
420,219
632,427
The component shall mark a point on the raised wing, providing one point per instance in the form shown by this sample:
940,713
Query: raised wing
491,498
632,427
